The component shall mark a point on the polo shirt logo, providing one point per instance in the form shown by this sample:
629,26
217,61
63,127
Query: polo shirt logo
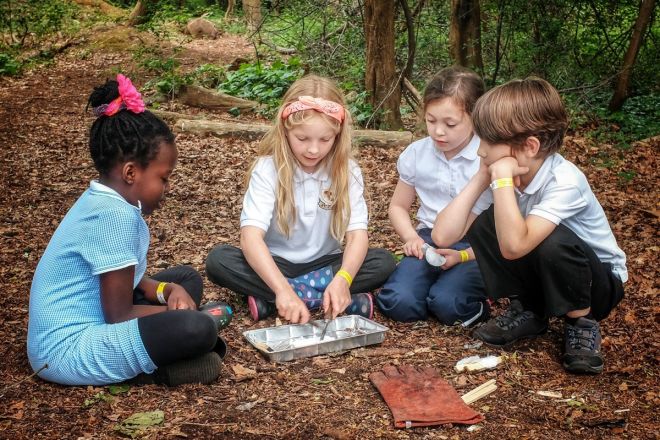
326,200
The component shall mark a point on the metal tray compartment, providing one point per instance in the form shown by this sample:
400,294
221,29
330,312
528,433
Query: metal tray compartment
288,342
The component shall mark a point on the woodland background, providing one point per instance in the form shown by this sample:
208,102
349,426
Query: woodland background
601,54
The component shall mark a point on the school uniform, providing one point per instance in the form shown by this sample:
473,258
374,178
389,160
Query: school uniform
310,246
67,330
579,265
416,289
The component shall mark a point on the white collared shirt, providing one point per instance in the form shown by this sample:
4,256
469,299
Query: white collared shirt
436,180
560,193
309,236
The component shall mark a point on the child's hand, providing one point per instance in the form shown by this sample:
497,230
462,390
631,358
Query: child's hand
336,297
452,257
507,167
179,299
291,308
413,248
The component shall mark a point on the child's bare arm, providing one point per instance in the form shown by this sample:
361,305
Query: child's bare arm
289,306
337,295
117,297
399,213
452,223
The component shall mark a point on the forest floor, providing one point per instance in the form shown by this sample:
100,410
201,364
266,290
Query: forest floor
45,166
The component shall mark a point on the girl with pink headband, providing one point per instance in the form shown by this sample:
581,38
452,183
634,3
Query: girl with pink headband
304,198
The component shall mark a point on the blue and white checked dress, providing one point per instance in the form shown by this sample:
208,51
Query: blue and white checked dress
101,232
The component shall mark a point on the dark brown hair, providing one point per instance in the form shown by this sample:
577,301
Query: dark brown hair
512,112
458,83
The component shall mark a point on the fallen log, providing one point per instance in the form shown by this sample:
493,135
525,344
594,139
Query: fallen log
164,114
255,131
201,97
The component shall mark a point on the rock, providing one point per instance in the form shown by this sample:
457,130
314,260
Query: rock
201,28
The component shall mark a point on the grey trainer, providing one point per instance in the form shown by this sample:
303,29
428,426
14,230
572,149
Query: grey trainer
582,347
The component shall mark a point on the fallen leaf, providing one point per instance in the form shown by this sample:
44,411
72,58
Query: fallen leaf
242,373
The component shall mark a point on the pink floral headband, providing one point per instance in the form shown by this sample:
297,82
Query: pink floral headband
129,99
330,108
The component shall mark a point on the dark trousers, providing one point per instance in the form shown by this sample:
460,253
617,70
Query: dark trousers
227,267
417,289
178,334
560,275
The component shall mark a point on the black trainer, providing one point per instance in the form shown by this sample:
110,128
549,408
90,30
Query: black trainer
203,369
513,325
259,308
582,347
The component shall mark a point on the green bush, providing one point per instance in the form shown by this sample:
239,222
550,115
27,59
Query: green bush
265,84
8,65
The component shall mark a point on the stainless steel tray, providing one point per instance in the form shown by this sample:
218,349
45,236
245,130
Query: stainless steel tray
288,342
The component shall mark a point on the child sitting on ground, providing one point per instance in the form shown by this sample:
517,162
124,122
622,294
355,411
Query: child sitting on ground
435,169
95,317
305,195
539,234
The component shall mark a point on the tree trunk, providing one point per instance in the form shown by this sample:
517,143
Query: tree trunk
636,41
139,13
252,10
230,9
256,131
381,80
465,34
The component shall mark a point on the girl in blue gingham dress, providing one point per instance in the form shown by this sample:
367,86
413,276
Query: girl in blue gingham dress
95,318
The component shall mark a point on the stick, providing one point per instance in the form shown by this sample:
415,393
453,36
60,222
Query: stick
479,392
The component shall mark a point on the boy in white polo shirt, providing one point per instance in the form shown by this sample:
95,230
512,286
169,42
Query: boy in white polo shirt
545,241
305,196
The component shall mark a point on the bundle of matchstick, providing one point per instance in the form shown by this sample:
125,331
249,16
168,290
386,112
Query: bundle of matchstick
481,391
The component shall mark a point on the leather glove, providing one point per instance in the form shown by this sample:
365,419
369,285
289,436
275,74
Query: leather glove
420,397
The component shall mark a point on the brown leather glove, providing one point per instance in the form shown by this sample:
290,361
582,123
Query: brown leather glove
420,397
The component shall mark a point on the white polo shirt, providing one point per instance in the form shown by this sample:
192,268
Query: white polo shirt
436,180
561,193
310,236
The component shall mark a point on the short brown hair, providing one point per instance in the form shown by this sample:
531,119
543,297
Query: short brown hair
510,113
458,83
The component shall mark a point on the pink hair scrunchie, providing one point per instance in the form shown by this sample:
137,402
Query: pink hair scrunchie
129,99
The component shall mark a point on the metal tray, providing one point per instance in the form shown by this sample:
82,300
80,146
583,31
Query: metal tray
289,342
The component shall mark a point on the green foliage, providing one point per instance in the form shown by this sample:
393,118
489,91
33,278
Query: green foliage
638,119
265,84
361,110
207,75
167,79
8,65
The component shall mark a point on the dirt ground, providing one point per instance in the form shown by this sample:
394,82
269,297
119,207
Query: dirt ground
45,166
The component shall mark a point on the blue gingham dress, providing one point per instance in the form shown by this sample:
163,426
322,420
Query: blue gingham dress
67,331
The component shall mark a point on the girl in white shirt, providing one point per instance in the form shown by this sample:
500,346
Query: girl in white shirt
434,170
304,197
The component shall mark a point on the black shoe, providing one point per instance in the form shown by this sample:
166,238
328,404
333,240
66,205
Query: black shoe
513,325
582,347
203,369
221,313
482,316
259,308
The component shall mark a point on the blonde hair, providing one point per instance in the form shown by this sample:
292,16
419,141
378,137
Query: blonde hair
512,112
275,144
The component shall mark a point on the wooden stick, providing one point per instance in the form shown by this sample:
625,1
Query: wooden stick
479,392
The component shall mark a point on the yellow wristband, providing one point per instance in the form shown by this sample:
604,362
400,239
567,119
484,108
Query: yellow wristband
160,293
345,275
501,183
464,256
